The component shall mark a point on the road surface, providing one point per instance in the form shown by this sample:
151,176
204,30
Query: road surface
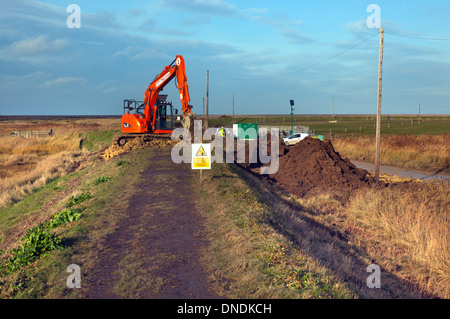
402,172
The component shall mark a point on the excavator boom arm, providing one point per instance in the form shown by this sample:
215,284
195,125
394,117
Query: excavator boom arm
175,69
182,86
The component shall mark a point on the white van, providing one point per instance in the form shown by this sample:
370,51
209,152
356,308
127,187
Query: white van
294,138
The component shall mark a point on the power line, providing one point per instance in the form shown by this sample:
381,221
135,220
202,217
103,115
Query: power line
420,38
334,56
308,67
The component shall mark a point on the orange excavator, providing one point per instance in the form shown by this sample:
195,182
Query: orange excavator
153,117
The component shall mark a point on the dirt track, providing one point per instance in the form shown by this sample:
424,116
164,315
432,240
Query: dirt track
155,252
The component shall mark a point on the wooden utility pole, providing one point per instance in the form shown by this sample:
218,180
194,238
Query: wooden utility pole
233,105
203,107
207,97
332,116
418,122
378,127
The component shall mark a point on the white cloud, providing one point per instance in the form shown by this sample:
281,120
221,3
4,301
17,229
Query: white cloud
294,36
138,52
285,26
63,81
109,90
30,47
360,29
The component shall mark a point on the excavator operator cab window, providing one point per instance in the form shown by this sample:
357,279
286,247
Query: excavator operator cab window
164,112
133,107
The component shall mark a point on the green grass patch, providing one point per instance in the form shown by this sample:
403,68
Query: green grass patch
78,199
39,240
35,245
101,180
96,140
121,163
32,204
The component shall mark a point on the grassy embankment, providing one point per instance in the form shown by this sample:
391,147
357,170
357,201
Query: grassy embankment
28,164
251,254
64,220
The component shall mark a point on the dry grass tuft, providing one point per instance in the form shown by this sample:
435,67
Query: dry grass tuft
39,146
408,228
27,164
409,151
15,188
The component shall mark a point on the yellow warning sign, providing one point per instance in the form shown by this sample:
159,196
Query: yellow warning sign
201,156
201,152
201,162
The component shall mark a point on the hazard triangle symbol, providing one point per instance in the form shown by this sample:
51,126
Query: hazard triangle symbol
201,152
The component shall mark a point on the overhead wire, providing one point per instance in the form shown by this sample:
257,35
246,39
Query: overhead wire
419,38
335,56
308,67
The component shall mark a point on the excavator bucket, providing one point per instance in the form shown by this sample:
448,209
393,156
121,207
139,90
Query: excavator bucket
188,120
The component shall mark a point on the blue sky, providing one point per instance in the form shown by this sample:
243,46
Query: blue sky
269,52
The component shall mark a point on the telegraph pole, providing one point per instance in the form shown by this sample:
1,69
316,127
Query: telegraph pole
378,128
207,97
419,115
332,115
233,105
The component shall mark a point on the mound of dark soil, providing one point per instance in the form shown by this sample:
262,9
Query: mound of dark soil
313,166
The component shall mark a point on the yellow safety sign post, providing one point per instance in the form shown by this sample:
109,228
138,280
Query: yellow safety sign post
201,157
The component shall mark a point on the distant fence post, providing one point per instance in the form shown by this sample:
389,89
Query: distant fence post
28,134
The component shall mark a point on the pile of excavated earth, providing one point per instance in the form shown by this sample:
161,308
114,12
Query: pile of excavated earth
311,167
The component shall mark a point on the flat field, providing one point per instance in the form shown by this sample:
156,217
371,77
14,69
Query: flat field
347,124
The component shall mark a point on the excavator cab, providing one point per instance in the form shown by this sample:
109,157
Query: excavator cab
133,118
164,114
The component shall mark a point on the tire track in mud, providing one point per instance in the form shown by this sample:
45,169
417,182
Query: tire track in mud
156,250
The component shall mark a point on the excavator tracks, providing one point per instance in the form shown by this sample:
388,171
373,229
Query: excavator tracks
122,139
